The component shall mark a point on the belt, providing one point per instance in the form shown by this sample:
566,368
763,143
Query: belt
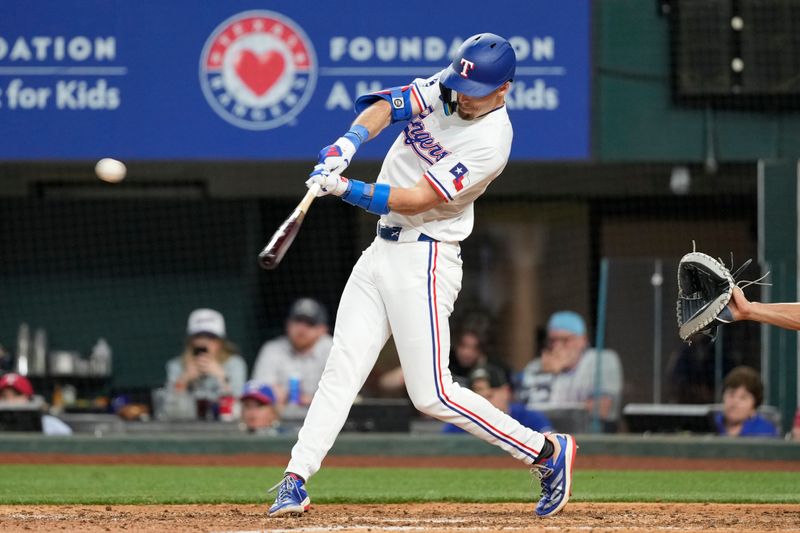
392,233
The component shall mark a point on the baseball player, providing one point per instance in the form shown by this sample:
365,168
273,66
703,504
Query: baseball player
456,140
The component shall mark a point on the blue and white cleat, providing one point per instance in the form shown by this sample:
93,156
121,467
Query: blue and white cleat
555,475
292,498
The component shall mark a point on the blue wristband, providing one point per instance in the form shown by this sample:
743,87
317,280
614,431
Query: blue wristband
372,197
357,135
380,199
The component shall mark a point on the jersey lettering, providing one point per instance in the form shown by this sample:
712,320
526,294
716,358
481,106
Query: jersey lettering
422,142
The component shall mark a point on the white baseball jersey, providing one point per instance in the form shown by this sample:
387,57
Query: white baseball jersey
406,288
459,158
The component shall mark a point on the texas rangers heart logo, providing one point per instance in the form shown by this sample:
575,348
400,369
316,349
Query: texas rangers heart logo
258,70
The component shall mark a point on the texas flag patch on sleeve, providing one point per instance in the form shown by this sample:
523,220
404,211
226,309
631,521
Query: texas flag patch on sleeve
461,176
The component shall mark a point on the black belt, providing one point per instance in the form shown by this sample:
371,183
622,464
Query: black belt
392,233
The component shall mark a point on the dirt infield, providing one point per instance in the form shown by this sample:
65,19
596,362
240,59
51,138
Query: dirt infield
598,462
429,517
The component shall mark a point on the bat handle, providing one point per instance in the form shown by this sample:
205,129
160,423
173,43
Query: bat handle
305,203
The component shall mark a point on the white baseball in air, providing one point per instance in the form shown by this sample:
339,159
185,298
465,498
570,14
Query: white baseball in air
110,170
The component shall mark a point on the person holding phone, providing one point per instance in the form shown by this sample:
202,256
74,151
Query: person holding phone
210,367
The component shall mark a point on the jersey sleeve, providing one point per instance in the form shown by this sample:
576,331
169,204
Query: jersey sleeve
422,92
458,175
428,90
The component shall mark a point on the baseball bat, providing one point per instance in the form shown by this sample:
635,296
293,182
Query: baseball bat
282,239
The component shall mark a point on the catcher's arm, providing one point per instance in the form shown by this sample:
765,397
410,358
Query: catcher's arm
783,315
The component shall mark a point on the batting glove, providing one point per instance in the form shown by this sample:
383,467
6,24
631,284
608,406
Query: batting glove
328,183
335,157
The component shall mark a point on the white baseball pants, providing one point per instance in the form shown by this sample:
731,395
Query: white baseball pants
406,290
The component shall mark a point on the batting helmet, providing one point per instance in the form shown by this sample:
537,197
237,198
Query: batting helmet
482,64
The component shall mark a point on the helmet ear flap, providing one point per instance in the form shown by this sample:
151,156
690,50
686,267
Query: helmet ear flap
449,98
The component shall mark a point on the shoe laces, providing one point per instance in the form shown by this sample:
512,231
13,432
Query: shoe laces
541,472
285,488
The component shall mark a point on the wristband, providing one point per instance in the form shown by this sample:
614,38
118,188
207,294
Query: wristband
357,135
372,197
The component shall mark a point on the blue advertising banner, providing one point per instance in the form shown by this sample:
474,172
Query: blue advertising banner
242,80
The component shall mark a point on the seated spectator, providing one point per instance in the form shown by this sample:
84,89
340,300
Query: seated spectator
481,383
259,415
691,371
742,394
210,367
470,352
565,372
17,390
299,356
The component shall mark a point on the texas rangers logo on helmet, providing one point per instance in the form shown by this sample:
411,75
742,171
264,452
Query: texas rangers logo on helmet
467,66
258,70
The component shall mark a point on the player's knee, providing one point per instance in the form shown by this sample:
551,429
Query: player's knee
427,404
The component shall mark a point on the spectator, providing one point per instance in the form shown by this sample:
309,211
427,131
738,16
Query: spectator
481,383
299,355
742,394
210,367
471,351
258,409
565,372
795,435
16,389
691,370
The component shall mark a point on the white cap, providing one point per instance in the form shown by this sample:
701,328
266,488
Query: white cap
206,321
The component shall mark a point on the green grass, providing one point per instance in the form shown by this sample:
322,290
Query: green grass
37,484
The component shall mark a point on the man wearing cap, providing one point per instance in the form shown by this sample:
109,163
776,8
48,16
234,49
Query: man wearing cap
566,372
16,389
258,409
292,364
210,366
456,140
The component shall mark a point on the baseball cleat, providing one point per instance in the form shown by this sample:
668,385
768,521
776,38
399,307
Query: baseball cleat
292,498
555,475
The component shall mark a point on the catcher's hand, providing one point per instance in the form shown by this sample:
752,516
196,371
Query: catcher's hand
739,305
705,287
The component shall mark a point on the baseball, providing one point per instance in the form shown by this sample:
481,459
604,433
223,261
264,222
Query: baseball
110,170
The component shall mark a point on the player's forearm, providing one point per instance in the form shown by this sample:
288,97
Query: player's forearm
414,200
784,315
375,118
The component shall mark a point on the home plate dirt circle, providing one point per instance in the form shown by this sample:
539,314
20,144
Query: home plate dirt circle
427,517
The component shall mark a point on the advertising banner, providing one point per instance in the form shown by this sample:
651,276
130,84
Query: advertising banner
246,80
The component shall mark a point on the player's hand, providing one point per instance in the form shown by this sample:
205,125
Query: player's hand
335,157
328,183
739,305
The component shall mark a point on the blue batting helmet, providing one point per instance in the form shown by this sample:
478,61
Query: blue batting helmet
482,64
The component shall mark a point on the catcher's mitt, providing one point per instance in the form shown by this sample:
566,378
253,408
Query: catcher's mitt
705,286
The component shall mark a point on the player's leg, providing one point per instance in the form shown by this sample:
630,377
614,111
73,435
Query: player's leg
418,310
419,302
361,331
